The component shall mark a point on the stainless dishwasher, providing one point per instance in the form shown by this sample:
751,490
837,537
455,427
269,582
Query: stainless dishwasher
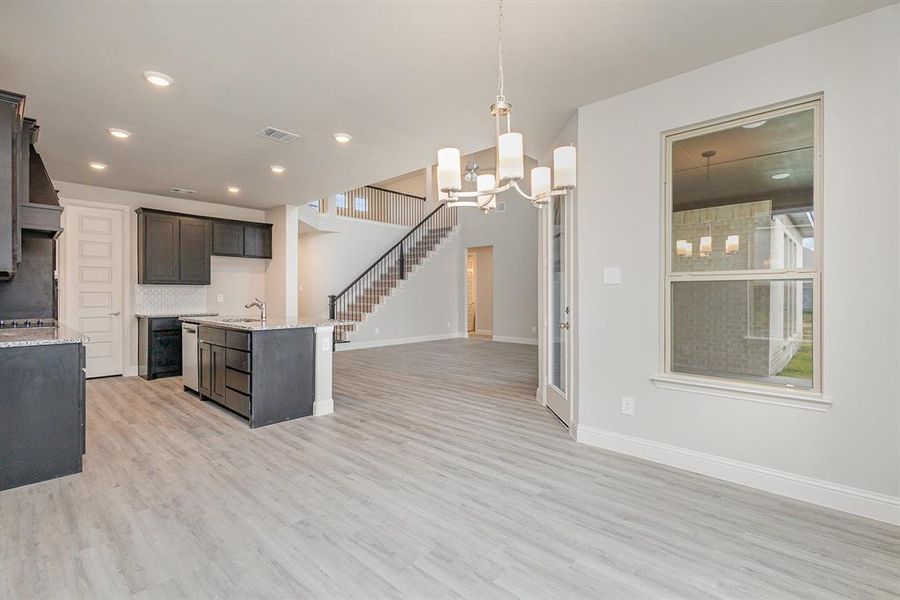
189,368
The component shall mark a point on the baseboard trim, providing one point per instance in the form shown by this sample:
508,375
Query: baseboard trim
515,340
864,503
130,372
484,332
323,407
398,341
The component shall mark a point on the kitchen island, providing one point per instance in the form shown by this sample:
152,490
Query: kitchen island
266,371
42,408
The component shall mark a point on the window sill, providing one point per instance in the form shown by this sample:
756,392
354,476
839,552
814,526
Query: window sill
793,398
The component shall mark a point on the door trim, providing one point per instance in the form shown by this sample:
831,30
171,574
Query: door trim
129,327
545,387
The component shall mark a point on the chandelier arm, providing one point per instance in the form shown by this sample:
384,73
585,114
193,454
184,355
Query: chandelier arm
475,194
539,197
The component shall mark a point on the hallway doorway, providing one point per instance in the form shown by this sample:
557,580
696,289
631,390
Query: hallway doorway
480,292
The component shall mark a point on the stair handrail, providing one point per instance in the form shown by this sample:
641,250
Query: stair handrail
332,299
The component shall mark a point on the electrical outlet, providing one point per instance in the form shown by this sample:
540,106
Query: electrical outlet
377,330
627,406
448,324
534,329
220,298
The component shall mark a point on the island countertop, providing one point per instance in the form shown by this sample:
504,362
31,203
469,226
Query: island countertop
251,324
13,337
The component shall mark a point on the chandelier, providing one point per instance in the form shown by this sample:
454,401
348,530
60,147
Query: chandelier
510,165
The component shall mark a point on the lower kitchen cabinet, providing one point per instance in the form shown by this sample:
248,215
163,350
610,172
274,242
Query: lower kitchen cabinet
266,376
42,415
159,347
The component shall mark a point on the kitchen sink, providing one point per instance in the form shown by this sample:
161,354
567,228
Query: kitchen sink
241,320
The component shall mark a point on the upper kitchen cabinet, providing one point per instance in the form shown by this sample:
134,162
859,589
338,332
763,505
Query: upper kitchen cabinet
173,248
12,115
241,238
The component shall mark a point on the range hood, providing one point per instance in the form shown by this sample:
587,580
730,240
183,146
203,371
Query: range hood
42,211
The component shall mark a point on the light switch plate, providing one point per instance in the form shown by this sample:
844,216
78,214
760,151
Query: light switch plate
220,298
612,275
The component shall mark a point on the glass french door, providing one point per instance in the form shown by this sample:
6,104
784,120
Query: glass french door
558,307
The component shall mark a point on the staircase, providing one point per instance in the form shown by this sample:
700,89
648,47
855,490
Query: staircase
358,300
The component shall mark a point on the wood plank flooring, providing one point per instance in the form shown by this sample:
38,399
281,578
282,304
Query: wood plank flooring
438,476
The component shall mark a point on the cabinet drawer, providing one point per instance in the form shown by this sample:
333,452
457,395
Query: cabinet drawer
165,324
238,340
237,380
213,335
237,359
238,402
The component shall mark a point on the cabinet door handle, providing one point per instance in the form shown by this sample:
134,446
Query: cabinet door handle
115,314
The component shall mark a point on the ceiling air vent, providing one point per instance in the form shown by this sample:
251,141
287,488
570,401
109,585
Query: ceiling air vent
178,190
279,135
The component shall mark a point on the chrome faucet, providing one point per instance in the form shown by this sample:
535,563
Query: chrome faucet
260,305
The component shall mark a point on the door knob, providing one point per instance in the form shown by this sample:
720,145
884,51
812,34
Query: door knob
114,314
564,325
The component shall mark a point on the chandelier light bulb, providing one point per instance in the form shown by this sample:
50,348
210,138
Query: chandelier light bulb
484,183
511,154
564,175
449,172
540,181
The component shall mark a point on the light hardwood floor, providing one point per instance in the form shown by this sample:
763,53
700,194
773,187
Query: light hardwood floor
438,476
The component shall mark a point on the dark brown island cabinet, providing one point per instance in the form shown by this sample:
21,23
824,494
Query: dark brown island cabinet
175,248
42,411
266,376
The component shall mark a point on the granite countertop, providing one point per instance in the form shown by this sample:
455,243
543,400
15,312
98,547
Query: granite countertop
173,315
40,336
257,325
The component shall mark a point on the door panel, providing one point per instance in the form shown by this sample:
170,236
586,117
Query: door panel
92,283
160,248
205,361
194,245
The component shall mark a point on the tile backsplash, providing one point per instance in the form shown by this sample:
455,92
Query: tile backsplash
169,298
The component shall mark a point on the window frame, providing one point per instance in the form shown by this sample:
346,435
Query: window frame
672,378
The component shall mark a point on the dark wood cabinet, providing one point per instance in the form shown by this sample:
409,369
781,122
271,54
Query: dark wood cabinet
42,417
12,113
175,249
240,238
228,238
204,365
266,376
159,347
195,236
258,241
157,248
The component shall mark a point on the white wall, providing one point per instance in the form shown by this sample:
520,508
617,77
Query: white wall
425,306
855,443
513,234
236,279
331,260
282,274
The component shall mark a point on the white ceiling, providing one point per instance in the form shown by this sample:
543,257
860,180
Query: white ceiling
404,78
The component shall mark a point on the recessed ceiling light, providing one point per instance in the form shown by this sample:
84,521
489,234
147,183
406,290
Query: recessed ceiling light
781,175
97,166
278,170
342,138
119,133
157,78
233,189
754,125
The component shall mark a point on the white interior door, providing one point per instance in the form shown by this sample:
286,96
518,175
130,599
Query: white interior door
558,326
92,280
